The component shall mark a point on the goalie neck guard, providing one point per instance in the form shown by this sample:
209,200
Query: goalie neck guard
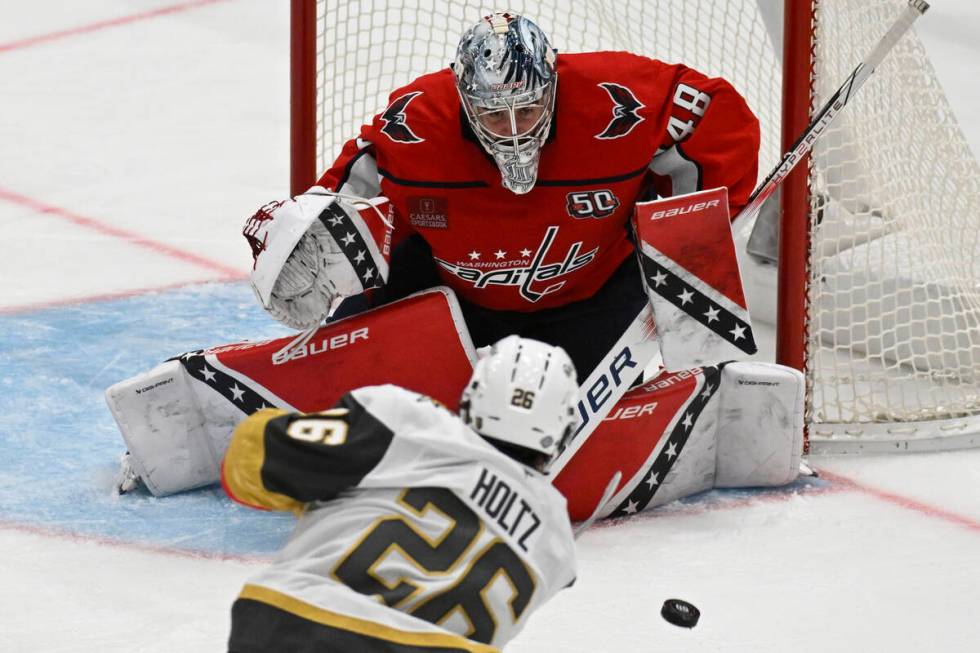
505,75
522,394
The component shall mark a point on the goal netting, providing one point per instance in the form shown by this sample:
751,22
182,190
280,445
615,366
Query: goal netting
894,285
892,344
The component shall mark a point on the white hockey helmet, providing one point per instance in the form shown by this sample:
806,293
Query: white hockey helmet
523,394
506,78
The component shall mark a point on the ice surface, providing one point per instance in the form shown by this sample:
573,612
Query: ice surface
125,144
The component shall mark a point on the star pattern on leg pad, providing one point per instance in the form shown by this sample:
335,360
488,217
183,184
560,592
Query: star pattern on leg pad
236,391
650,479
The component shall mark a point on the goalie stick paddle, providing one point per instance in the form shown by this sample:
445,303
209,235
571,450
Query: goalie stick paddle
637,348
606,496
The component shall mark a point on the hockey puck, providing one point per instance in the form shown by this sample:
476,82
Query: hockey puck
680,613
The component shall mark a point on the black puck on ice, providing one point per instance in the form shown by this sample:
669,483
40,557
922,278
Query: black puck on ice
680,613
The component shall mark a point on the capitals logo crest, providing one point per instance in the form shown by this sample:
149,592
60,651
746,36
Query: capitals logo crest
533,278
625,111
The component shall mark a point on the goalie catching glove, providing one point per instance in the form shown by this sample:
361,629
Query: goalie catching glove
316,248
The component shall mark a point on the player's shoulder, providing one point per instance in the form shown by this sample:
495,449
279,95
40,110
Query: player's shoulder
432,91
613,101
387,395
410,413
605,61
430,434
416,117
618,66
637,88
628,78
383,392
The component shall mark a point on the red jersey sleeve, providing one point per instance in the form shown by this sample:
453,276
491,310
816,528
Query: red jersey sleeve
711,139
355,172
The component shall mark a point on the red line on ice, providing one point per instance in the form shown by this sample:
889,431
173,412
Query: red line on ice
103,24
67,536
226,273
903,502
840,484
122,294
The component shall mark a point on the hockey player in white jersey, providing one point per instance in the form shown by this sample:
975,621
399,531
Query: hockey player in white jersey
419,530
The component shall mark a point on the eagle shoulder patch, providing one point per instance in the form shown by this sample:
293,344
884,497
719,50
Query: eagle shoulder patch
396,124
625,111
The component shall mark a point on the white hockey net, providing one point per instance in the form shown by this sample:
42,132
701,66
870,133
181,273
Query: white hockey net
367,48
894,336
893,346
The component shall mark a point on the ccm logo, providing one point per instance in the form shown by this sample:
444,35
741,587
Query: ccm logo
600,392
681,210
156,385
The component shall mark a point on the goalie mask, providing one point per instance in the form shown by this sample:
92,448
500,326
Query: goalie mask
506,78
523,394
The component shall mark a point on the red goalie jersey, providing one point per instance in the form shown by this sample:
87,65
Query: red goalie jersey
625,127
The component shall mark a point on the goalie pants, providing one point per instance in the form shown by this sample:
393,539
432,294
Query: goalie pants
586,329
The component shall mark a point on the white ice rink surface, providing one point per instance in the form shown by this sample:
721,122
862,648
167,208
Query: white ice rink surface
137,135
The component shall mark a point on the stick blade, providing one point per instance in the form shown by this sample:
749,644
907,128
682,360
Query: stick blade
606,496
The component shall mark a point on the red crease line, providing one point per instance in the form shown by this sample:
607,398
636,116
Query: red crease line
103,24
225,272
109,296
839,484
904,502
68,536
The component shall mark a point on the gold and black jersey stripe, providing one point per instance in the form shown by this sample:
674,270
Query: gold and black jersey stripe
266,621
281,461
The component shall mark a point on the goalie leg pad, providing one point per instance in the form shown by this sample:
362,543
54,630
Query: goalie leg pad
173,444
178,418
740,425
760,425
641,437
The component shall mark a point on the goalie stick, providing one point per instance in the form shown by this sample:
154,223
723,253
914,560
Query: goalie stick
606,496
830,110
636,349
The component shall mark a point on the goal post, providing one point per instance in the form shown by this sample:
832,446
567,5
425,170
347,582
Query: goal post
303,89
794,196
879,240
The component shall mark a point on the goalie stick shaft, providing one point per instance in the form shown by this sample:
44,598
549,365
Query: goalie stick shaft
606,496
831,109
636,349
610,380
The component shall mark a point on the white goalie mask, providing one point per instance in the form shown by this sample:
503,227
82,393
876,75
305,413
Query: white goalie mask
506,78
523,393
